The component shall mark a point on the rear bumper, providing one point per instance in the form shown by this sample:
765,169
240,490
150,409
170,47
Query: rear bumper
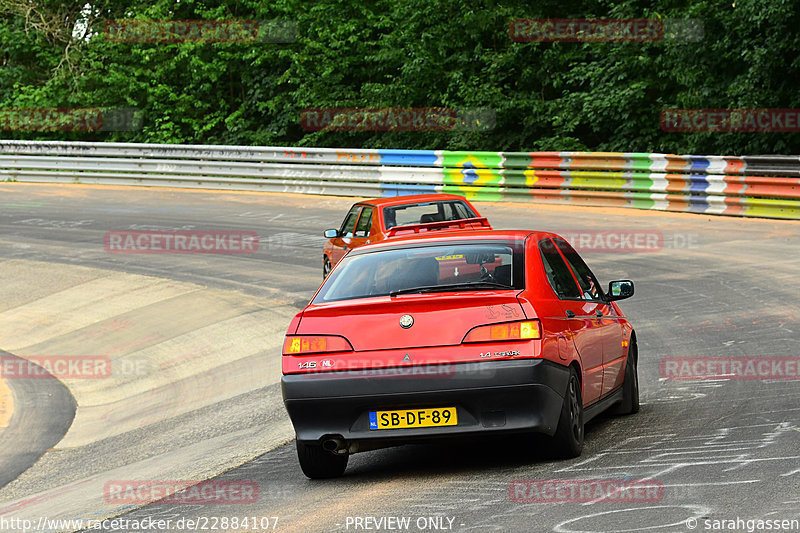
492,396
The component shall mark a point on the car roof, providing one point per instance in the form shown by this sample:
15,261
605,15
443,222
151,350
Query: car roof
441,236
409,199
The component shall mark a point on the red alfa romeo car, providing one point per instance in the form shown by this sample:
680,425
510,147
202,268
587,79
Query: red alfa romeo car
374,220
454,334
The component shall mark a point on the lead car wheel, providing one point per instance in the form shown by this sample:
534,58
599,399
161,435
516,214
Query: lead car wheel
326,266
568,440
317,463
630,386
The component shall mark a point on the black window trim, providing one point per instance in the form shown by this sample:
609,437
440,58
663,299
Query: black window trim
566,264
602,298
341,228
364,207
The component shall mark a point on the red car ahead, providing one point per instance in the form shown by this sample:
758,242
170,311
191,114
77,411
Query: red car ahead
452,335
374,220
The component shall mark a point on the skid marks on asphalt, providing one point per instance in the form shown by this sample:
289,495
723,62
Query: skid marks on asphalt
699,468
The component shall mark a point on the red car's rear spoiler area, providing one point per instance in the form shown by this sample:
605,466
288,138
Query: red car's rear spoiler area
464,223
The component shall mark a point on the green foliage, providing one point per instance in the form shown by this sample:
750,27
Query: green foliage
408,53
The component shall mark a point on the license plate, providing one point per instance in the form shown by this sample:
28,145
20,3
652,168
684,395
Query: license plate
413,418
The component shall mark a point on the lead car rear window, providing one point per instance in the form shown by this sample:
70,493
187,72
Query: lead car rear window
381,272
427,212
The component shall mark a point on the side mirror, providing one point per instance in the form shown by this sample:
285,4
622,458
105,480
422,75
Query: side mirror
619,290
331,233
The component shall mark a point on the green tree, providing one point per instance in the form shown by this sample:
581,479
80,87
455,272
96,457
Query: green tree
406,53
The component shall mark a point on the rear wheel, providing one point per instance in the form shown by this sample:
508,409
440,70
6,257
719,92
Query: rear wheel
326,266
630,387
317,463
568,440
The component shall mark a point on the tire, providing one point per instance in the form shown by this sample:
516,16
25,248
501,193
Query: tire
326,266
568,440
317,463
630,386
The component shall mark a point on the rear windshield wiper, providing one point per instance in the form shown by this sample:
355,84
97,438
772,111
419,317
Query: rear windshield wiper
474,286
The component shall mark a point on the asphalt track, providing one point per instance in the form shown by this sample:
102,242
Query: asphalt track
44,410
720,449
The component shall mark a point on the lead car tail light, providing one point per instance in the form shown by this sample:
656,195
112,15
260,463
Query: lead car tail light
507,331
308,344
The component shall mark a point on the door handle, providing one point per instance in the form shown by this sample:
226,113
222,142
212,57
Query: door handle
598,313
570,314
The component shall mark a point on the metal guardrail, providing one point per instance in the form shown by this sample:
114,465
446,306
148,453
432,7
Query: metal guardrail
763,186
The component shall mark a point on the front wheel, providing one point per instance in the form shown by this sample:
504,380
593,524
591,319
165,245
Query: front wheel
568,440
317,463
326,266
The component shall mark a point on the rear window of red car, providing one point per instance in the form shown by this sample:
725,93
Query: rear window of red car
423,213
382,272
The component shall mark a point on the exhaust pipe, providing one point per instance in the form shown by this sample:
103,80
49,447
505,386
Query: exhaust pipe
333,445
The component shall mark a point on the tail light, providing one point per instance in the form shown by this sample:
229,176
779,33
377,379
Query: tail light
507,331
309,344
